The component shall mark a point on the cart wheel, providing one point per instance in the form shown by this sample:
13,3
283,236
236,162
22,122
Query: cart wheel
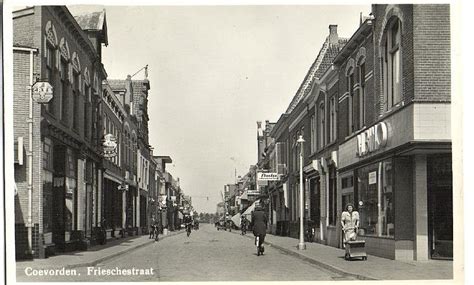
347,256
364,258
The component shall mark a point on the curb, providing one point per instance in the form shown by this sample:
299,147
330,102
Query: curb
326,266
95,262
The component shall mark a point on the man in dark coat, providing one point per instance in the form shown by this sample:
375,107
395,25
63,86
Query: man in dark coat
259,225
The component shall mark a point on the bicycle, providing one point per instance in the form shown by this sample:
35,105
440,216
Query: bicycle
188,230
259,244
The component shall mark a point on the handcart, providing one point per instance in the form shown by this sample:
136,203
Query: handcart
354,248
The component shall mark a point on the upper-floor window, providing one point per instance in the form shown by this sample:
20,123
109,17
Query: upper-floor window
361,111
50,64
391,63
332,118
64,90
75,101
350,108
313,133
87,111
321,124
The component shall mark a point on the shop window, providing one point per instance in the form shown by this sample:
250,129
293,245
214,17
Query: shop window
47,201
47,154
391,63
376,208
71,204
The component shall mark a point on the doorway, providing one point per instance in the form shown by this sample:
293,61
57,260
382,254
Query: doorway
440,207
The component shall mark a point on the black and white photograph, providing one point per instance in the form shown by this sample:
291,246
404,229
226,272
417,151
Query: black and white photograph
204,142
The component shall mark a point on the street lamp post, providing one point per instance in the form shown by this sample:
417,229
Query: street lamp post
301,244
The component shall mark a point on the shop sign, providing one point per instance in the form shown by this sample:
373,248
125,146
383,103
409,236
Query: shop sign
253,192
372,139
42,92
109,146
173,198
373,177
267,176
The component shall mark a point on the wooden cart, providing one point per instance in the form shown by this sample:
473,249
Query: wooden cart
355,249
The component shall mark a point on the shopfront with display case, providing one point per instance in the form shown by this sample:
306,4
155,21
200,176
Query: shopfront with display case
402,189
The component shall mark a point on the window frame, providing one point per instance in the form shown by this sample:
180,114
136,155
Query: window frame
392,49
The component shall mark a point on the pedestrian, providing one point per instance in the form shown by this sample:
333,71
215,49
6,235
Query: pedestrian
350,223
244,224
259,228
152,229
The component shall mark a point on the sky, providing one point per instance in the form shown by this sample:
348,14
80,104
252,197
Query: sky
214,72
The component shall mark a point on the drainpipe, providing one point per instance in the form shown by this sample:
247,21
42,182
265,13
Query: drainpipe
29,154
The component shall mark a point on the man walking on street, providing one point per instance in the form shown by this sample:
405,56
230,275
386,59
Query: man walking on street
259,228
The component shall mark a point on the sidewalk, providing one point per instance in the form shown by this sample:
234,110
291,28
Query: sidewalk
374,267
93,255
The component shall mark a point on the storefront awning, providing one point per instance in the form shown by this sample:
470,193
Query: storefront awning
248,212
236,220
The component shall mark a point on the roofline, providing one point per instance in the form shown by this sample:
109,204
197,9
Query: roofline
347,48
165,158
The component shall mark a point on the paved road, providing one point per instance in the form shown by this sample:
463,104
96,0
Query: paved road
207,255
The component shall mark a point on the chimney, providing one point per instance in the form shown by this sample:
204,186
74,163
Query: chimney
129,93
333,37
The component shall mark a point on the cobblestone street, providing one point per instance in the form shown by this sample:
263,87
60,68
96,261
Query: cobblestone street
207,255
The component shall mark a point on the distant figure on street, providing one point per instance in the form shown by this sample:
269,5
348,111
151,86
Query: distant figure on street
350,223
188,222
244,222
259,228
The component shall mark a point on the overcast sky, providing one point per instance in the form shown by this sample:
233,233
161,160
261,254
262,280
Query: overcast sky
214,71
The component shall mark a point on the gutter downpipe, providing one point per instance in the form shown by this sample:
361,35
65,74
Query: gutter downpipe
29,154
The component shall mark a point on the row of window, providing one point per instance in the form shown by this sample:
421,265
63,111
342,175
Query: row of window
68,92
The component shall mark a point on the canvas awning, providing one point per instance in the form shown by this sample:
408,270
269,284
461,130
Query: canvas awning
236,220
248,212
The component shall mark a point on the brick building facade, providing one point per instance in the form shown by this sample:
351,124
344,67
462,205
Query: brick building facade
376,119
69,184
65,133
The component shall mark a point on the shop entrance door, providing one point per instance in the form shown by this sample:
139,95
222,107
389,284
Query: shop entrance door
315,213
441,222
440,207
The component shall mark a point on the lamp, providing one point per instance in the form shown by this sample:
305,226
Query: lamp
301,244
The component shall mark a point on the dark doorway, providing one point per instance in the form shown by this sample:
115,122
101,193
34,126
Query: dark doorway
440,206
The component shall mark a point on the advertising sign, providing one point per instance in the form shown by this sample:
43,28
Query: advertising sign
373,177
109,146
42,92
267,176
253,192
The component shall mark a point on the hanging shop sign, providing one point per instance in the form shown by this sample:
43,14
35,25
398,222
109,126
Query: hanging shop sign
42,92
267,176
372,139
109,146
253,192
